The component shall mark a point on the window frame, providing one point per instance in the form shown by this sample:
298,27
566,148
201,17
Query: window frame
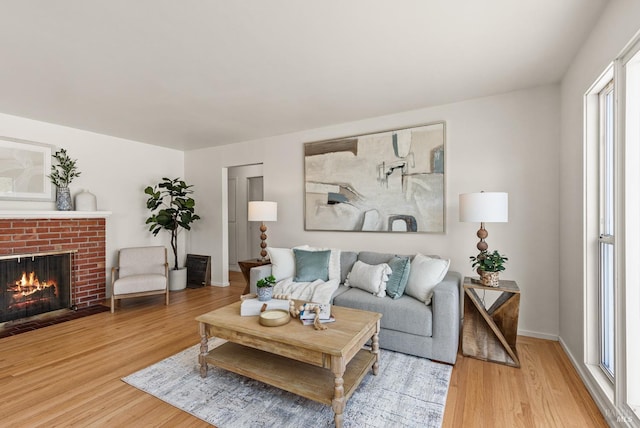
607,227
627,387
619,397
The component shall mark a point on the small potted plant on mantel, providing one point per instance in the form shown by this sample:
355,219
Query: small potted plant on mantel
61,176
489,265
176,212
265,288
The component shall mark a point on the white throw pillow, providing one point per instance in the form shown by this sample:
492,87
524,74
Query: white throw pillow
283,263
371,278
334,260
425,274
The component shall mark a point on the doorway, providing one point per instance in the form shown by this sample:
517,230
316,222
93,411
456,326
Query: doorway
245,183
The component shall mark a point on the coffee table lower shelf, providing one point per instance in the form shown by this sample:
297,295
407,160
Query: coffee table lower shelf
305,380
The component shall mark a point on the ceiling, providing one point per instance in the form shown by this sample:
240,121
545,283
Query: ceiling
196,73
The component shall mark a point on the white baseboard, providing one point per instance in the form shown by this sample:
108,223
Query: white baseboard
220,284
538,335
608,409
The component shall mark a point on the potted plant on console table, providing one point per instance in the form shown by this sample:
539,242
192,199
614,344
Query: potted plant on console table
176,212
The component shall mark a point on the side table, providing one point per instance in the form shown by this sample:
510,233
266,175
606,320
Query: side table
490,334
245,267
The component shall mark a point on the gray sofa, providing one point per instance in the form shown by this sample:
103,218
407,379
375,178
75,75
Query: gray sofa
408,325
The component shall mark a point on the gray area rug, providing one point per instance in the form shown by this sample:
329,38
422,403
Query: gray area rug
408,392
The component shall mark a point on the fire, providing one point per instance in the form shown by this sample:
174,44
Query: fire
33,280
30,284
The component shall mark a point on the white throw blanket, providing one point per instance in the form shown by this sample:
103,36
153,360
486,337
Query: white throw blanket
317,291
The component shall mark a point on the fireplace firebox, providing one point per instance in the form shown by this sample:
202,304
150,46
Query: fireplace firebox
34,284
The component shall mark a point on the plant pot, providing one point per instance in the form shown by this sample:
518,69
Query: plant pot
63,199
489,279
264,293
177,279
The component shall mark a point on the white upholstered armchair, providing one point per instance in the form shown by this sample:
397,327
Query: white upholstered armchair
141,271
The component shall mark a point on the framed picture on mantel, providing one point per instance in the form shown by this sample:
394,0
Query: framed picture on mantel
392,181
24,167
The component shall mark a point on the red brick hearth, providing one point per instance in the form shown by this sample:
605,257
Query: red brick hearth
85,235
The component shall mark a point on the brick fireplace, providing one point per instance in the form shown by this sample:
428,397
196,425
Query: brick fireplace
85,236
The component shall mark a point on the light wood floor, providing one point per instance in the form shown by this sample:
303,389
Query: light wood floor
69,374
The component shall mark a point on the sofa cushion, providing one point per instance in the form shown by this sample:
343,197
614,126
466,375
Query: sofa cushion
347,260
334,259
283,263
139,283
371,278
311,265
373,258
400,268
426,273
341,289
142,261
405,314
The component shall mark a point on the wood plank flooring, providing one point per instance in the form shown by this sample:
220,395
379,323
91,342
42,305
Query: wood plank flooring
69,374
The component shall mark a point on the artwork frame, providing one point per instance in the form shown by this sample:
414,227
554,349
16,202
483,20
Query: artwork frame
24,166
390,181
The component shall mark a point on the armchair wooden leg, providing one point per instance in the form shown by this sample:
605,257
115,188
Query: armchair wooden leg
167,298
113,301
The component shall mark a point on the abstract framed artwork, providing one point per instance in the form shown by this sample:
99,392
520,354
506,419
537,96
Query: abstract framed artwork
391,181
23,170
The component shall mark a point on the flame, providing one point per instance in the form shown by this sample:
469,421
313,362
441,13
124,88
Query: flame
33,280
30,284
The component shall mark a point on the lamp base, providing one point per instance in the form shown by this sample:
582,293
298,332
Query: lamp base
263,244
482,234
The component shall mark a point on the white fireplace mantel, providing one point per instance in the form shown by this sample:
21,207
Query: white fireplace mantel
22,214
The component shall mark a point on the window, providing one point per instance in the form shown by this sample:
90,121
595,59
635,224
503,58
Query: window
606,265
612,237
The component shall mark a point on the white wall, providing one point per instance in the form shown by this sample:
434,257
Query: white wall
507,142
619,22
114,169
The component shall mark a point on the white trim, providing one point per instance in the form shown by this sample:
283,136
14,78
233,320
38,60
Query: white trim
18,214
620,257
591,214
629,391
601,400
538,335
220,284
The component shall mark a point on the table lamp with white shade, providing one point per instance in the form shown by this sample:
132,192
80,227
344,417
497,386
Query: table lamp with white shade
263,211
484,207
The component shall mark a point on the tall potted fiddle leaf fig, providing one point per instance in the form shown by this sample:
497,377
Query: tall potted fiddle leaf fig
172,209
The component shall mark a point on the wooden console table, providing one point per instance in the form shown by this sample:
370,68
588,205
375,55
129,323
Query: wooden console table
245,267
490,334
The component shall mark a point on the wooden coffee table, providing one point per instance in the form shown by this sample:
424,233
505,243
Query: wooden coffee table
322,365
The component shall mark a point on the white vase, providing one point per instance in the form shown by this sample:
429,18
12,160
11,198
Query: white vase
177,279
86,201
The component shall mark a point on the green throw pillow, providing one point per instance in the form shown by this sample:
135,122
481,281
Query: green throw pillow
311,265
400,268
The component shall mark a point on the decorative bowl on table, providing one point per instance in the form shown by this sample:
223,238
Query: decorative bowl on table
274,317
